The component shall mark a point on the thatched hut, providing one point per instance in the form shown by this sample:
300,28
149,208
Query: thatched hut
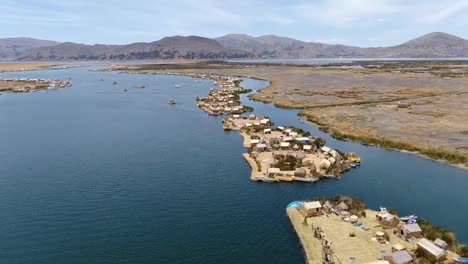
327,207
342,207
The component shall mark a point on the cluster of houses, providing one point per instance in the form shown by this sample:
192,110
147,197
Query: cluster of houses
406,230
24,85
278,153
225,100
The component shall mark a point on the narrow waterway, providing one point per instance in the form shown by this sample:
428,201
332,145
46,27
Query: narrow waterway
95,174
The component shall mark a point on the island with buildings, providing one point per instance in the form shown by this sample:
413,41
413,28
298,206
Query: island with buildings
24,85
343,230
275,153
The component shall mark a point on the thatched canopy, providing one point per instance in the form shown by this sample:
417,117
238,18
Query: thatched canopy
342,206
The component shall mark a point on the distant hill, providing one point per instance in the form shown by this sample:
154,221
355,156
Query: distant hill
13,47
432,45
435,44
191,47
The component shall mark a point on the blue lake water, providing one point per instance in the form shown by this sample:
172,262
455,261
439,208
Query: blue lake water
93,174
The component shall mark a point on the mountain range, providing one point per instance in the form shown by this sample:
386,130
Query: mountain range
432,45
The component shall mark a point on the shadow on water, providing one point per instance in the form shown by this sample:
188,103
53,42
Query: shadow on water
92,173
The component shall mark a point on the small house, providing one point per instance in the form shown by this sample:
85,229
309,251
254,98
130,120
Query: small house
400,257
411,230
302,139
387,219
431,250
254,141
325,149
441,243
267,131
327,207
280,128
313,208
261,147
307,148
284,145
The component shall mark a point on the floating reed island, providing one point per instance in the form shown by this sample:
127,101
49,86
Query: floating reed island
274,153
343,230
24,85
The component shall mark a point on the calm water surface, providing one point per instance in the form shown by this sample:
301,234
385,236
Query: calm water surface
92,174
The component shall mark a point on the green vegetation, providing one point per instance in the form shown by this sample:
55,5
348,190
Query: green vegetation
320,142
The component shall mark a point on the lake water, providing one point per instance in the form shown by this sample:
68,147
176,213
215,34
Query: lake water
93,174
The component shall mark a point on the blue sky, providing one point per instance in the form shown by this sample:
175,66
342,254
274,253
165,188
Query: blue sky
350,22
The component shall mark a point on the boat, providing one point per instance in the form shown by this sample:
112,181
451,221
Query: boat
285,178
177,85
141,86
125,90
172,102
114,82
268,179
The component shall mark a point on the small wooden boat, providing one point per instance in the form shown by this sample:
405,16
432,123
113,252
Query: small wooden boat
172,102
141,86
268,179
285,178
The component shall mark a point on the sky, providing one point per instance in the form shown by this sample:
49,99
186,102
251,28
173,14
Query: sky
351,22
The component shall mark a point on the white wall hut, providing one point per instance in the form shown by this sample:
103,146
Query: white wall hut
312,208
284,145
431,250
266,131
307,148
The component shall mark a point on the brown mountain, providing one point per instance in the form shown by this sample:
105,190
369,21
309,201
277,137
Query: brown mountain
12,47
191,47
433,45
